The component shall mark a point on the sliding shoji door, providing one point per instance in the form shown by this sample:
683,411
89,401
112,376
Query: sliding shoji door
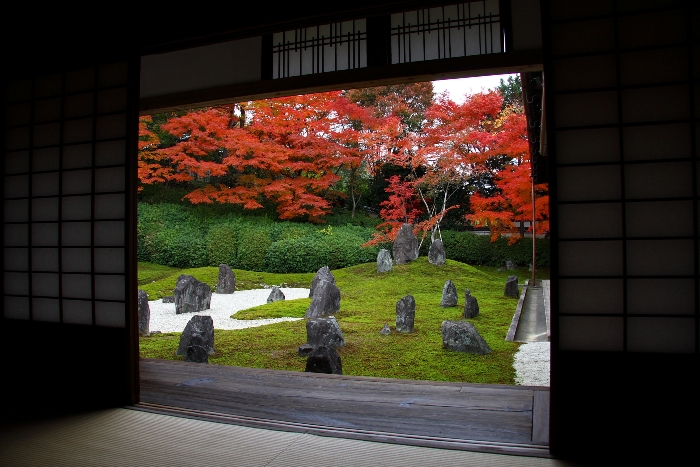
68,171
622,86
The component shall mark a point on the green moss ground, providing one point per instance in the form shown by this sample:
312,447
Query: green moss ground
368,301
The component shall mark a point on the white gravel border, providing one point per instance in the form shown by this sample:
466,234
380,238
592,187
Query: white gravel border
531,361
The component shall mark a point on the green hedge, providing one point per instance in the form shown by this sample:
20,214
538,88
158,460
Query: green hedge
186,237
222,244
470,248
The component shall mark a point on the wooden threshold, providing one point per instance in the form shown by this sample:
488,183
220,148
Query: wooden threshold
484,418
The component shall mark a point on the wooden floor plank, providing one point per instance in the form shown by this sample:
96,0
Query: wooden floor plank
422,408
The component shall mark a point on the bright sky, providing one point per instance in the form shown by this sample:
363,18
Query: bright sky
461,86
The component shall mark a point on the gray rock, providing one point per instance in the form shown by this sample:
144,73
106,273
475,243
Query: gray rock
511,289
144,314
405,314
169,299
325,301
449,295
471,305
304,350
324,331
227,280
436,253
199,331
276,295
323,274
385,331
196,351
191,295
384,261
510,265
405,248
324,360
462,336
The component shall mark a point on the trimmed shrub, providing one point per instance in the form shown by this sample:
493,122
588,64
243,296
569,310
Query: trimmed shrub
222,244
470,248
252,247
181,248
305,254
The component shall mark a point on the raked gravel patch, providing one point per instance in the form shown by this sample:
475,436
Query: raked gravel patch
164,318
531,361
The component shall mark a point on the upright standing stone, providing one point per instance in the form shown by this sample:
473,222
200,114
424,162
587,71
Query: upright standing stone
323,274
511,289
325,301
276,295
227,280
144,314
405,314
471,305
196,351
449,294
191,295
384,261
200,330
324,331
510,265
462,336
324,359
436,253
405,248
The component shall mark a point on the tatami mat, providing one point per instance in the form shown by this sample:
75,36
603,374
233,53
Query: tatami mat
124,437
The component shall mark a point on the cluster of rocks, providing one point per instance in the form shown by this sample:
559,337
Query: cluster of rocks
450,299
190,296
406,249
323,334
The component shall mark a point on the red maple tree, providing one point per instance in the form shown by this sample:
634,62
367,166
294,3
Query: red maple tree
288,152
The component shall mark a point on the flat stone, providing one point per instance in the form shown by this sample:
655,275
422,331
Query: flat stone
462,336
449,295
384,261
436,253
304,350
385,331
227,280
405,314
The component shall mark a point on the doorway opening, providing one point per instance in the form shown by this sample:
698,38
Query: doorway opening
341,172
276,189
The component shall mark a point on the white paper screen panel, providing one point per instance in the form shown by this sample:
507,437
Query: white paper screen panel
625,138
66,176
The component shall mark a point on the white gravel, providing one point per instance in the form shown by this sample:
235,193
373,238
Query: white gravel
164,319
531,361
